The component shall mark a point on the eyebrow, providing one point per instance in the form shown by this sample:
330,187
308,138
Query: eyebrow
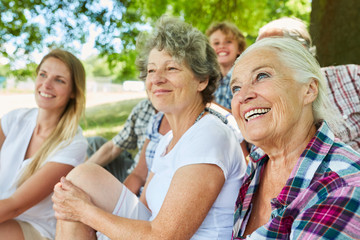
254,70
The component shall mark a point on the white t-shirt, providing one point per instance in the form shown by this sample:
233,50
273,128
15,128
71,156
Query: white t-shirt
207,141
18,127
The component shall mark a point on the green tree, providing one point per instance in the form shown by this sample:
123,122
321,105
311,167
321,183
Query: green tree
335,31
30,23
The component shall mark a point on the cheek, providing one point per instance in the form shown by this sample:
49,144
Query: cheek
283,111
235,108
147,84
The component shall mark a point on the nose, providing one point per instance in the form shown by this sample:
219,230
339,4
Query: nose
221,44
157,77
47,83
245,94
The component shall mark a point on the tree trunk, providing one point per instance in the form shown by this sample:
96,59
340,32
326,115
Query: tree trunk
335,29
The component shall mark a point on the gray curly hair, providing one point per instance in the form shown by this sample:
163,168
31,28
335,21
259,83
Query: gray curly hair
185,44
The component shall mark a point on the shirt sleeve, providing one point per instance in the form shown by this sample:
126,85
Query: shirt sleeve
337,216
9,118
72,154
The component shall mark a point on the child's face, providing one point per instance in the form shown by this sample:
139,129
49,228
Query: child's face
225,46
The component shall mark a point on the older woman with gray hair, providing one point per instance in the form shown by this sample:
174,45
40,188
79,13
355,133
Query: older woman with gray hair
302,182
197,168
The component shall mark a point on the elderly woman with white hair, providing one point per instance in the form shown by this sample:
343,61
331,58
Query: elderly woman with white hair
302,182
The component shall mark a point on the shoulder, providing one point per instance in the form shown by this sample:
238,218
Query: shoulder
143,111
344,160
18,117
73,152
22,113
211,125
144,105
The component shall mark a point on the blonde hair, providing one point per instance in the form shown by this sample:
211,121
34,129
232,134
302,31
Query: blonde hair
68,124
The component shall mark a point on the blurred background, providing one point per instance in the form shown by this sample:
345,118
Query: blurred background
103,33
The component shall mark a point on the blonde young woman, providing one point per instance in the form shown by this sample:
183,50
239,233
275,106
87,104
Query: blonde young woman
40,145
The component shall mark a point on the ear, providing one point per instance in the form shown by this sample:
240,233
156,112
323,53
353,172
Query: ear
202,85
312,90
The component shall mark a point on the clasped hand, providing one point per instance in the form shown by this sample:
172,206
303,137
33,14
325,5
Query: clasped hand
69,201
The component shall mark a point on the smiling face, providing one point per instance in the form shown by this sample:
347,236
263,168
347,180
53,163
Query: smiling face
53,86
268,103
172,87
226,48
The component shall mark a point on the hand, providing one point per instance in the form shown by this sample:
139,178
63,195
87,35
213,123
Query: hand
69,201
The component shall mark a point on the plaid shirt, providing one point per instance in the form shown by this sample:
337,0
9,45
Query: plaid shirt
321,199
133,134
223,94
344,85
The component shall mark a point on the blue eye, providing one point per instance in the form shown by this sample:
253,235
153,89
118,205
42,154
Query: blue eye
59,80
235,89
261,76
172,68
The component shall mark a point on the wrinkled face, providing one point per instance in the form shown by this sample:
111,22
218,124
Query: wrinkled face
53,85
267,102
172,86
225,47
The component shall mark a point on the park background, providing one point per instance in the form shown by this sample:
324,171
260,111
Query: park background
103,33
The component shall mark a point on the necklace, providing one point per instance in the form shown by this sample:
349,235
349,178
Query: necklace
201,114
169,147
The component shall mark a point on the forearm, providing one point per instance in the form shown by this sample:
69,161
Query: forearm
106,154
9,209
134,182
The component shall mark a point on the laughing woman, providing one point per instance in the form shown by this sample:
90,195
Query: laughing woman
38,146
302,182
198,165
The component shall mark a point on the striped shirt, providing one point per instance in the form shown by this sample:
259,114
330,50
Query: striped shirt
321,199
223,94
344,85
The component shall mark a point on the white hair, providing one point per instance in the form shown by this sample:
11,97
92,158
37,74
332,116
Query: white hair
292,28
305,67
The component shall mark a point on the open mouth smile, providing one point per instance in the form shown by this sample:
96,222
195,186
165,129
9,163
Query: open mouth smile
256,113
45,95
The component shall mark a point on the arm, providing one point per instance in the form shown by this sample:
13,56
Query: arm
196,187
33,190
334,217
2,136
137,178
106,154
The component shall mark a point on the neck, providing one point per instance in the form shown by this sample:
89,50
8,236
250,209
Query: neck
225,69
181,122
286,150
46,122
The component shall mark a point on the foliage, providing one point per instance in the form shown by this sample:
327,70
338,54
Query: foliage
29,23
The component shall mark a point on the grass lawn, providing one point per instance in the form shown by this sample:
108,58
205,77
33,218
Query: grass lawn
107,120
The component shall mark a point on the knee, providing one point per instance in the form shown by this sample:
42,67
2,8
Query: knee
83,173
